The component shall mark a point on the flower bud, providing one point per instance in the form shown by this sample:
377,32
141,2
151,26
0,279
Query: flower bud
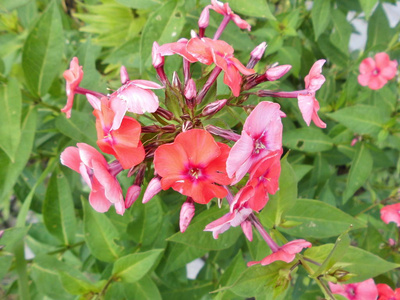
187,125
225,133
158,60
131,195
169,128
204,18
213,108
256,55
166,114
176,82
151,129
391,242
186,215
115,168
190,89
124,75
153,188
247,229
140,174
275,73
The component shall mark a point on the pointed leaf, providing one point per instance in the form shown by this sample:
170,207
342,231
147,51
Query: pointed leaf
307,140
77,285
379,31
367,6
320,16
254,8
79,127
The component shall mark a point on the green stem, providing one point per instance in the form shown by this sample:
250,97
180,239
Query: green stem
20,264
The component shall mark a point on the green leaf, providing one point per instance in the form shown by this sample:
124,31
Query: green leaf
379,31
254,8
9,170
139,4
307,139
10,118
320,16
144,289
284,199
319,220
163,26
360,170
367,6
12,4
58,209
100,234
80,127
341,35
11,236
77,285
331,51
191,290
362,119
42,52
133,267
5,264
194,236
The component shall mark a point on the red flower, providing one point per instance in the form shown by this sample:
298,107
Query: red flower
194,165
376,73
73,76
124,143
391,213
386,293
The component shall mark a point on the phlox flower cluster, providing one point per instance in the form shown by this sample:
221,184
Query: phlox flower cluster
182,150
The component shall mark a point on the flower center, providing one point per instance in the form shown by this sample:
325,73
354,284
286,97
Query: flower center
195,173
375,71
258,146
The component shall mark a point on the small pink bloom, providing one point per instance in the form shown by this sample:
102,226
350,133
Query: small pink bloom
131,195
391,242
225,10
308,104
153,188
134,96
208,51
261,135
73,76
124,75
213,107
386,293
258,51
286,253
391,213
365,290
277,72
376,73
239,211
100,176
158,59
179,48
186,214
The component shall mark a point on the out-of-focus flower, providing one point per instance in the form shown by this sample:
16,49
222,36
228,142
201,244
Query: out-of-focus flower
391,213
285,253
73,76
98,174
386,293
375,73
208,51
365,290
226,11
186,214
194,165
261,135
124,143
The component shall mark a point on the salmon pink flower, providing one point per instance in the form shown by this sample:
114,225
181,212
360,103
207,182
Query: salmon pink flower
194,165
179,48
99,176
208,51
261,135
376,72
73,76
391,213
134,96
124,143
285,253
226,11
386,293
365,290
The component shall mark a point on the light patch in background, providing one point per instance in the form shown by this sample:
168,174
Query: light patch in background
193,268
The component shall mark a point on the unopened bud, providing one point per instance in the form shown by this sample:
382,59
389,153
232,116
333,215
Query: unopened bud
225,133
166,114
204,20
187,125
131,195
256,55
124,75
140,174
151,129
190,89
176,82
169,128
158,59
153,188
391,242
247,229
186,215
115,168
213,108
275,73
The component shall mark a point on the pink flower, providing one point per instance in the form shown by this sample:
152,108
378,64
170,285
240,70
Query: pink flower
131,195
153,188
286,253
386,293
208,51
225,10
179,48
365,290
376,73
134,96
239,211
194,165
308,104
98,174
391,213
73,76
261,135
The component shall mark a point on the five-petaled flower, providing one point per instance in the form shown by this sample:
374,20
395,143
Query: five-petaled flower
73,77
386,293
193,165
377,72
365,290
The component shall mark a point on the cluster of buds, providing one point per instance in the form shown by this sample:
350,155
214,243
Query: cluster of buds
181,147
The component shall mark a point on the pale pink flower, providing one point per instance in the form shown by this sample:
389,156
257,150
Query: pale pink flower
73,77
98,174
261,135
186,214
134,96
391,213
308,104
225,10
365,290
285,253
376,72
179,48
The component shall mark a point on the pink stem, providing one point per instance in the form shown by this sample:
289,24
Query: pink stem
213,76
221,27
270,242
83,91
